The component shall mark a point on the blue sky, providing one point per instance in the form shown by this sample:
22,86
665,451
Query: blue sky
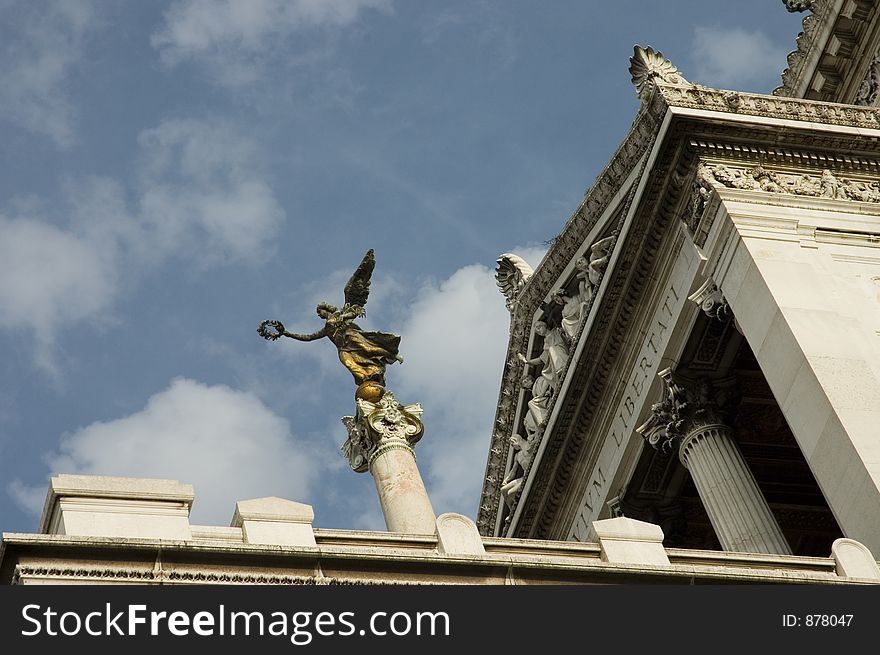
175,172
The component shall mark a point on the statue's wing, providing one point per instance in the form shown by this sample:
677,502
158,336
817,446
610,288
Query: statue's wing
357,289
511,274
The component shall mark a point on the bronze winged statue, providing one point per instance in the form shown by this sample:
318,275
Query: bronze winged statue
365,354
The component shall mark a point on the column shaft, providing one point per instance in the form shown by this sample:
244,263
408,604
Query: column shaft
736,507
405,502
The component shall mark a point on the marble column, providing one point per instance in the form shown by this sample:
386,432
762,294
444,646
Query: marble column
381,439
402,493
694,416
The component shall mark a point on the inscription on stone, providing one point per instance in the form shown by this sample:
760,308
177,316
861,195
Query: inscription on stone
639,382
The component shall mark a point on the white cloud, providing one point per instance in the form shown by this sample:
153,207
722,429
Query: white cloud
454,345
733,58
50,279
226,443
203,192
234,38
44,42
201,198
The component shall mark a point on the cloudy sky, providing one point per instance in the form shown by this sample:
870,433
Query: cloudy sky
174,172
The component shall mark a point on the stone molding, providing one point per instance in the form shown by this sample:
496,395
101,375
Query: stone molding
797,5
752,104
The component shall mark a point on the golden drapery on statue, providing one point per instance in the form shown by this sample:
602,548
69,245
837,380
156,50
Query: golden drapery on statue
364,353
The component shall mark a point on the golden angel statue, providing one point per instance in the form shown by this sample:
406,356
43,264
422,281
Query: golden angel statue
365,354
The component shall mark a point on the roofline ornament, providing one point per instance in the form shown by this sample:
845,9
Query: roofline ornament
798,5
648,66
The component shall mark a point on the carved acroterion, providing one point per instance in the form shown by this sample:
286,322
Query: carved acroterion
648,66
511,274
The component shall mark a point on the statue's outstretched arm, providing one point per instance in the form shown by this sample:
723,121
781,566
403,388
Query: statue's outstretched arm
305,337
530,362
272,330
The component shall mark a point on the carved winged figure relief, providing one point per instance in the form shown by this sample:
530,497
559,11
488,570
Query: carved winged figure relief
365,354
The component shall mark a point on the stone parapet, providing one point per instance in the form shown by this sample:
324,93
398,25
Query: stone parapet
99,506
628,541
274,521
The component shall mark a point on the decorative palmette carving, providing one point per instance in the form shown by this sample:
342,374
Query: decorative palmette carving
378,427
648,66
511,275
686,406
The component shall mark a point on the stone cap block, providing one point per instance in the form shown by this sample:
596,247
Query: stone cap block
113,488
458,535
272,508
628,541
275,521
854,560
103,506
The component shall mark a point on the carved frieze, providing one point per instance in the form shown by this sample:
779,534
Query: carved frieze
817,185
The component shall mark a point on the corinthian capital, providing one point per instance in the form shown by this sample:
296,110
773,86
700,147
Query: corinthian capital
380,426
685,406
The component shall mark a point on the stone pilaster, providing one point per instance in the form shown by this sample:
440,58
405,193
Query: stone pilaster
381,440
695,417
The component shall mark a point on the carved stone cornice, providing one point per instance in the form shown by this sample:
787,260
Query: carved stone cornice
829,50
754,104
117,573
686,406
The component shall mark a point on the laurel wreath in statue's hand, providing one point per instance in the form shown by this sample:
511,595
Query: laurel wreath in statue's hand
271,330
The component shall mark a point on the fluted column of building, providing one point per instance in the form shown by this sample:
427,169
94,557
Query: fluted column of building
695,417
